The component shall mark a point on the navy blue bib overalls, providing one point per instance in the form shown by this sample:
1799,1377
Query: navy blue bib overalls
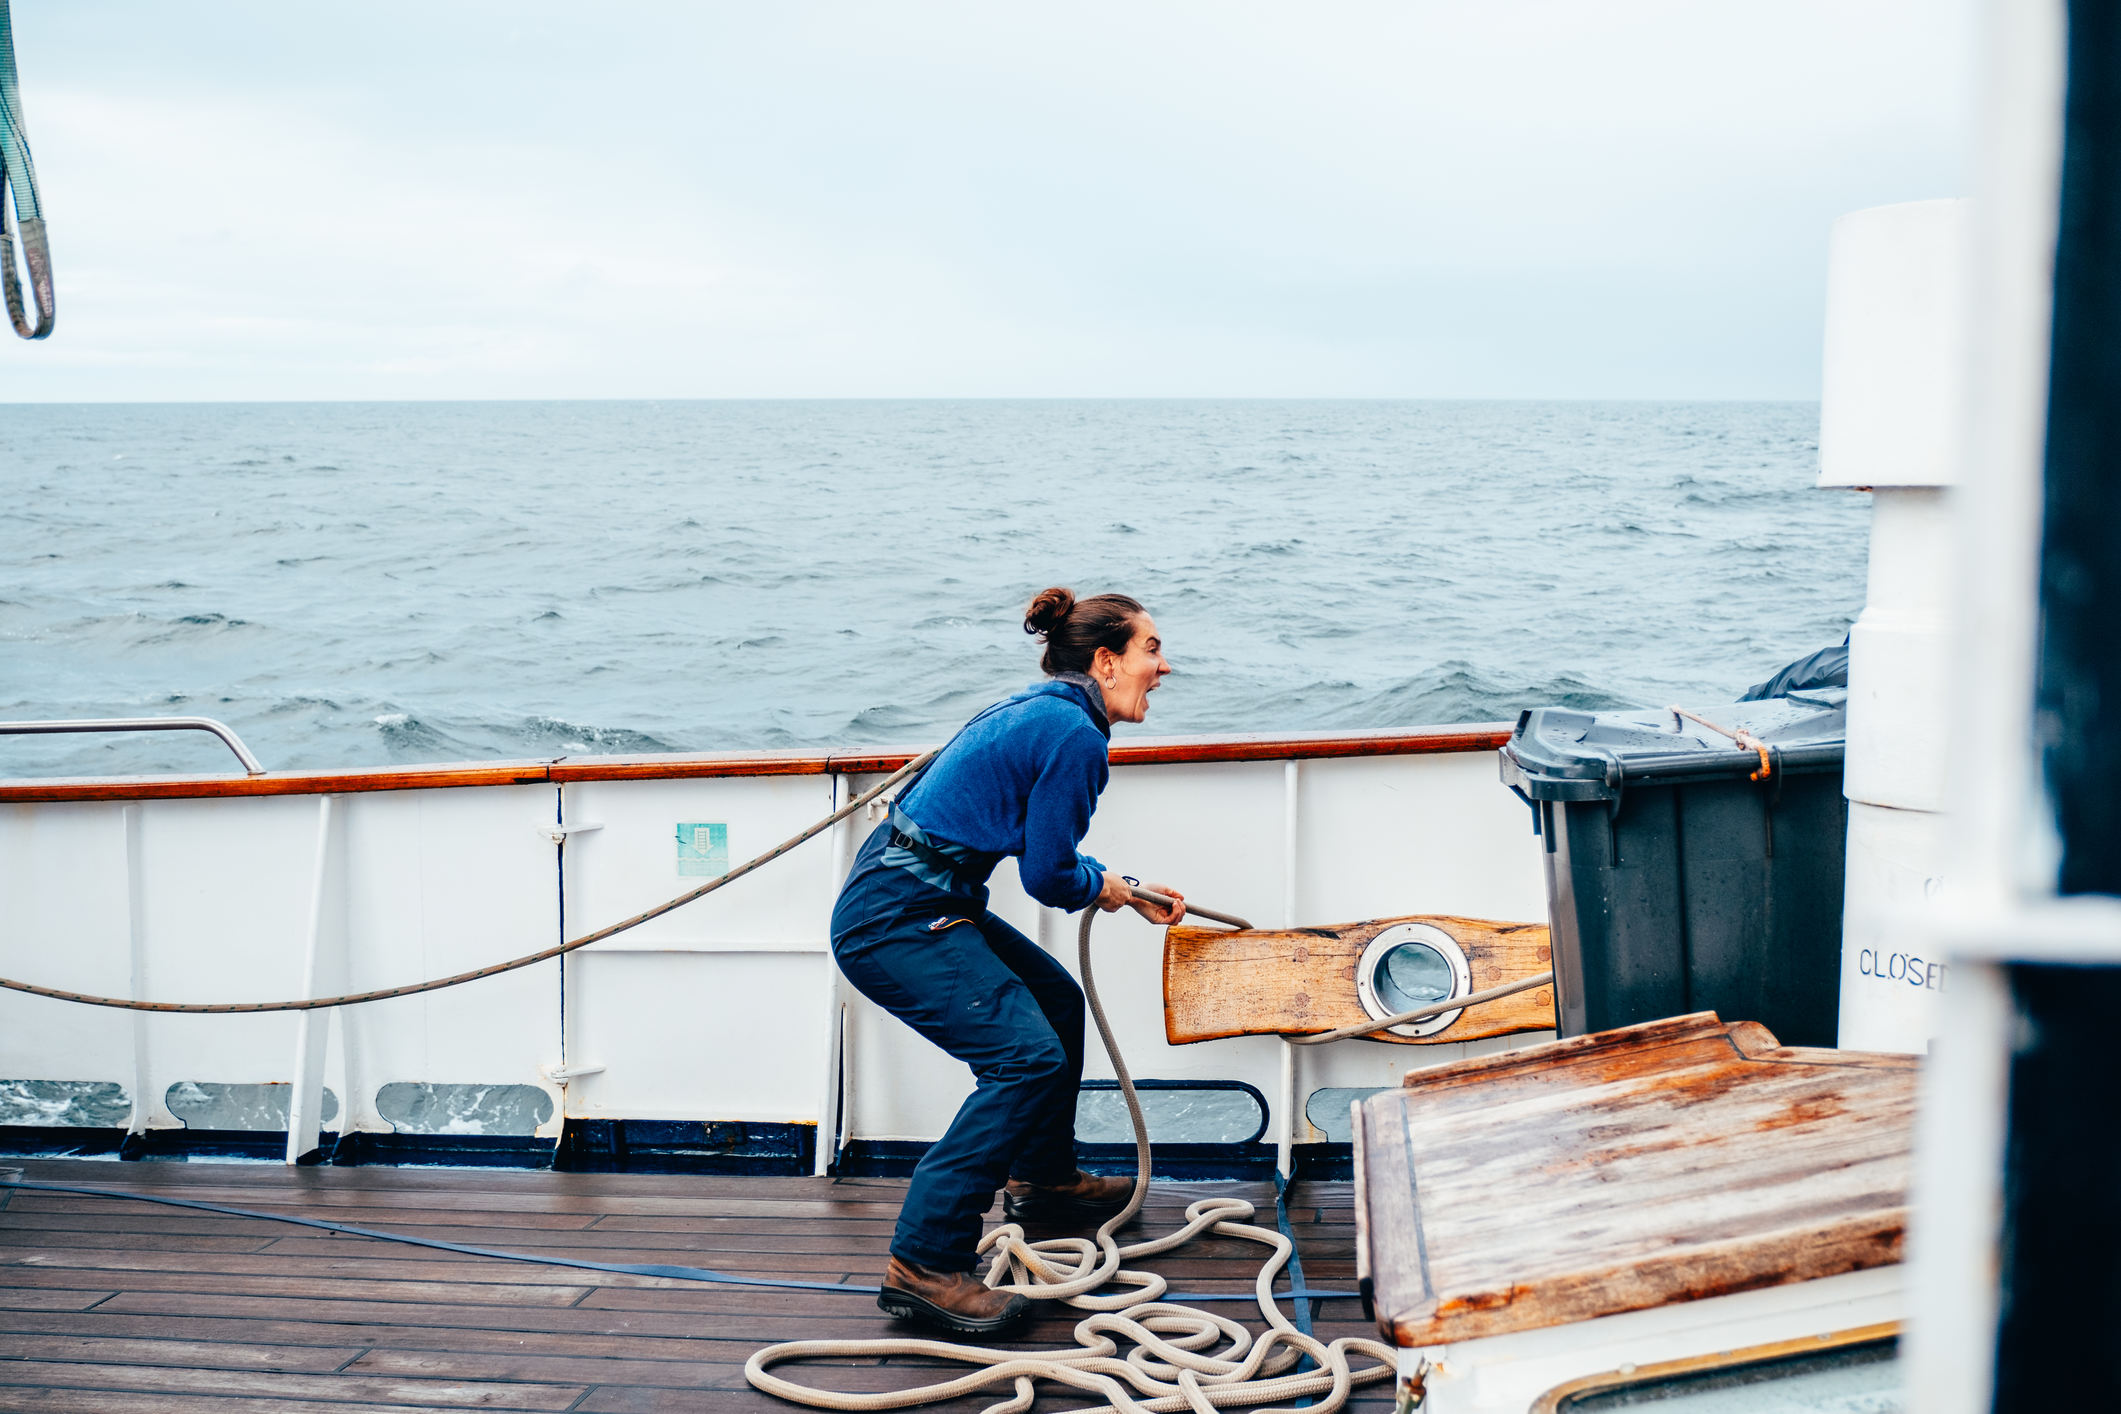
922,945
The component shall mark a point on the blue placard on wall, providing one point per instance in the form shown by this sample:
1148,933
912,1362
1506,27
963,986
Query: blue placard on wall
703,850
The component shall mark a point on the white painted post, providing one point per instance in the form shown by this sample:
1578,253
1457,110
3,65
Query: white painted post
1955,1250
1285,1111
829,1102
323,966
1890,408
144,1103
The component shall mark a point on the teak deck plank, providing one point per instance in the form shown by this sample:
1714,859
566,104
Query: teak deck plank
197,1355
432,1394
1665,1162
112,1401
20,1299
19,1284
127,1307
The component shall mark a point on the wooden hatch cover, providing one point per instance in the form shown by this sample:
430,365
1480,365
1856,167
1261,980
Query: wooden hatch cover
1653,1164
1300,981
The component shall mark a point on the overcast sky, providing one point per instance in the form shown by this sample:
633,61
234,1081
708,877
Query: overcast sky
1514,198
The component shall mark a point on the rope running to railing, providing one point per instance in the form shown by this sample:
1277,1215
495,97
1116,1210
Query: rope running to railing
529,960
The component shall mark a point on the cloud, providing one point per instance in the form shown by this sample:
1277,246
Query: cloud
478,200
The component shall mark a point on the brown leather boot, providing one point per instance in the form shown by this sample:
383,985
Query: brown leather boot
1083,1197
955,1301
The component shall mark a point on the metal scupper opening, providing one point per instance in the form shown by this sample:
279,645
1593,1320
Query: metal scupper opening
1411,965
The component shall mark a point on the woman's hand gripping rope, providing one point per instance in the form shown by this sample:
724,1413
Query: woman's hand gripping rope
1161,904
1171,1366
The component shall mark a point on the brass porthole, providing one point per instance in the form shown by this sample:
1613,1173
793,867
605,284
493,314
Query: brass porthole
1670,1378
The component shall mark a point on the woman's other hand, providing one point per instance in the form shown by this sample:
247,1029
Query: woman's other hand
1115,895
1159,914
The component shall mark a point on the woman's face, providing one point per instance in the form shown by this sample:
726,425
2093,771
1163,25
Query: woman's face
1128,678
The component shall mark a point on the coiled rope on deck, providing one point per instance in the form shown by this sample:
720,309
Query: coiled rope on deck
527,960
1171,1366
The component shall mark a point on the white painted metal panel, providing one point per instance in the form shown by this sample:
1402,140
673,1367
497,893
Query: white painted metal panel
1215,833
1416,834
63,923
697,1036
225,888
631,862
715,1011
443,881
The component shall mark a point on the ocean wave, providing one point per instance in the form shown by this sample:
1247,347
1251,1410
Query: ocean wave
1412,564
141,630
286,706
576,738
1451,692
408,739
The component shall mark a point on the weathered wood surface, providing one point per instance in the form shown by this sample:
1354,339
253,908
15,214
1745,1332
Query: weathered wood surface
120,1307
1300,981
1658,1163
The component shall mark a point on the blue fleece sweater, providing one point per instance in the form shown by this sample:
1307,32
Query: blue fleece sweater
1022,779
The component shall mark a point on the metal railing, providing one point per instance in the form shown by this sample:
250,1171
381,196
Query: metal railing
141,724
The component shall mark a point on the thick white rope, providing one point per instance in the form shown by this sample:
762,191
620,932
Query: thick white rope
528,959
1424,1012
1172,1365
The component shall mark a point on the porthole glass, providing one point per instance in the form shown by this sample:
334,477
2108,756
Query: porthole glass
1412,975
1408,966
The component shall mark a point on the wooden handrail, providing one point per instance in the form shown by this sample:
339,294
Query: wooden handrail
1300,746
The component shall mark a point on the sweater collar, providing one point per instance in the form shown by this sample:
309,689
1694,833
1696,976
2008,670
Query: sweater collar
1090,695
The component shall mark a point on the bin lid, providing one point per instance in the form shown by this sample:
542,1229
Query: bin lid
1559,754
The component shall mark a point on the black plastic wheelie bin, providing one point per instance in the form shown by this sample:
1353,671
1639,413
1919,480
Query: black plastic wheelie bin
1686,872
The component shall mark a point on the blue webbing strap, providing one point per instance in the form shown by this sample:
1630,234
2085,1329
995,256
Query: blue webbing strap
632,1269
1296,1273
14,145
18,177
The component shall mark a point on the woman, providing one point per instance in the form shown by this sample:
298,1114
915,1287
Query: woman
912,932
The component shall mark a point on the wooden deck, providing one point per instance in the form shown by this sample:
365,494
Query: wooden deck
123,1308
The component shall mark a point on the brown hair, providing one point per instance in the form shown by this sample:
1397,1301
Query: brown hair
1074,629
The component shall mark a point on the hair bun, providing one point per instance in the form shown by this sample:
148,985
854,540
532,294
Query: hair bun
1048,611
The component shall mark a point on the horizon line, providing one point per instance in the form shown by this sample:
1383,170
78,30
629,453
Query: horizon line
905,398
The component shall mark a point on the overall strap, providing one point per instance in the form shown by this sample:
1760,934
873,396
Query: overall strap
908,836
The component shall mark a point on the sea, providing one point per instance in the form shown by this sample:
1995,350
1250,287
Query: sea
352,584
